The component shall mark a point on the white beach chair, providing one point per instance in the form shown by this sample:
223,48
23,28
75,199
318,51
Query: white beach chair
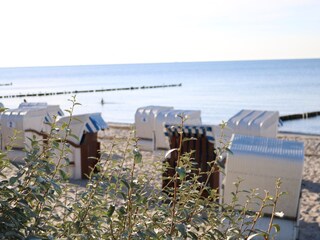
255,123
18,122
150,121
171,117
145,118
259,162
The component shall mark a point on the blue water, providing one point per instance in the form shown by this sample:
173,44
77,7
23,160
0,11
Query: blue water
218,89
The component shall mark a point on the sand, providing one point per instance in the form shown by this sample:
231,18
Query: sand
310,194
310,198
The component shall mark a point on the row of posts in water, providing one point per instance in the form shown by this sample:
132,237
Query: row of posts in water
299,116
88,91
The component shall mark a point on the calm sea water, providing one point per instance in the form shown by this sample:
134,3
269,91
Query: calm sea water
218,89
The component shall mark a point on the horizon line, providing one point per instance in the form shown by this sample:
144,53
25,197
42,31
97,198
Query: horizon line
151,63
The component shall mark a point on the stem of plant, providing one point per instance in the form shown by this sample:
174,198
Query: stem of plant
175,181
258,214
277,194
129,202
58,165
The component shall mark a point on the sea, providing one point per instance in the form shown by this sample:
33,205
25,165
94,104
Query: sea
218,89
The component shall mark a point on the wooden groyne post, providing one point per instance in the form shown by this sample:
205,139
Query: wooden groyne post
299,116
89,91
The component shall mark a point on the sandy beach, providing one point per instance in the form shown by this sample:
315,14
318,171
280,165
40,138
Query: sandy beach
310,196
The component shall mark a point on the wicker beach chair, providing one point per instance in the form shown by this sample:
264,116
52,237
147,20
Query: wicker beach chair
201,141
259,162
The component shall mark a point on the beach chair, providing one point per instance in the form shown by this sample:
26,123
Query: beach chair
84,147
150,121
51,111
173,117
202,143
255,123
259,162
145,118
19,123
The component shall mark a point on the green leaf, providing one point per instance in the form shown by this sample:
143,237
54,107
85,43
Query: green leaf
192,235
124,196
219,233
56,186
229,151
168,153
74,136
182,229
151,233
40,179
282,193
111,210
276,227
264,234
55,144
63,174
16,165
64,125
181,172
254,235
124,182
40,197
122,210
12,180
137,156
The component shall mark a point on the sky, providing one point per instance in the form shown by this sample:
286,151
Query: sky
79,32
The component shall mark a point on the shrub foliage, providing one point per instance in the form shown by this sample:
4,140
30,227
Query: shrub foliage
37,201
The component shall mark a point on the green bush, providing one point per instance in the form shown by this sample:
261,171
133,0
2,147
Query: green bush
38,202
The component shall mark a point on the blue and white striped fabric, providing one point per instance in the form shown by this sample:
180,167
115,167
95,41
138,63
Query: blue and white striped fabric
95,123
191,129
60,113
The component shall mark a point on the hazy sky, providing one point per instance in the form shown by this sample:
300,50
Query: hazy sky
73,32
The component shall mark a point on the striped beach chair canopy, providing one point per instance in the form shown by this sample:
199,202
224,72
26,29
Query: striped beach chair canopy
207,130
81,124
173,117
